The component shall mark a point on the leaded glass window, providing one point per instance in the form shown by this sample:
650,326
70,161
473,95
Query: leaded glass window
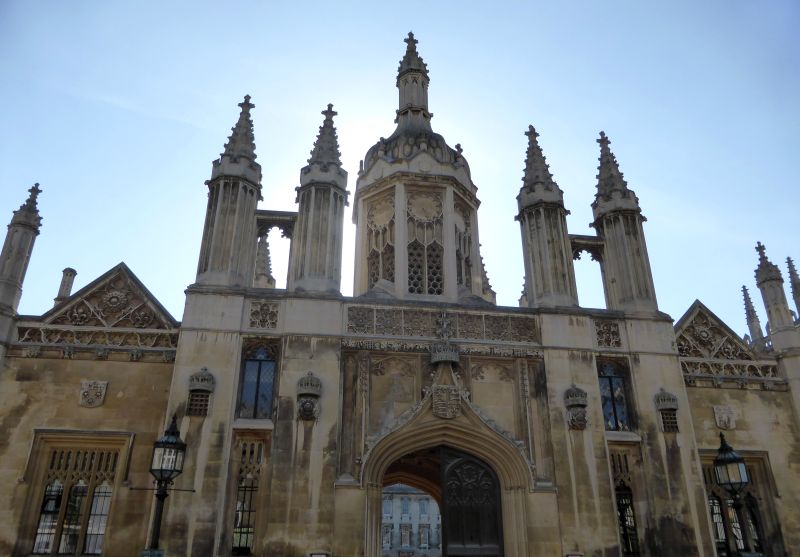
257,387
614,398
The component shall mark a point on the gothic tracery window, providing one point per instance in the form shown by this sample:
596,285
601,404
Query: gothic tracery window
380,241
256,391
425,244
75,500
614,396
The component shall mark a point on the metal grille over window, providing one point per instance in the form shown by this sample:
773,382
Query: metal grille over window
201,385
75,524
258,383
251,454
621,460
667,405
614,396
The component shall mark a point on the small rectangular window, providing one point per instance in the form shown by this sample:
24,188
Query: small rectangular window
198,403
669,421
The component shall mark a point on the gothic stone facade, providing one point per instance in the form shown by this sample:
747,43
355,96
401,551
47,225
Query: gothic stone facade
549,429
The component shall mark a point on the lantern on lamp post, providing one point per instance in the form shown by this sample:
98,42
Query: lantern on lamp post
165,466
731,475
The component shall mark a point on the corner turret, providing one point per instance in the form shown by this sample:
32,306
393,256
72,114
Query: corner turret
549,271
316,259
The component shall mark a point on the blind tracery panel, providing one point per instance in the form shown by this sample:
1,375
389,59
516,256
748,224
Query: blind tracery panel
425,243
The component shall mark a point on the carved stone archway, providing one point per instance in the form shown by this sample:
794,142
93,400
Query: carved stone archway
468,433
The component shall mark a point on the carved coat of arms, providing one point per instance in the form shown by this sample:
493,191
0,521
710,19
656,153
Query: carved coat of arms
446,401
93,393
725,417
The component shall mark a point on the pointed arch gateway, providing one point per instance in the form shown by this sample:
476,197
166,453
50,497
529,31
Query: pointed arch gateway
470,456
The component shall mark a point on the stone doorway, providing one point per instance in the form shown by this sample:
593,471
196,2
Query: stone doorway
467,493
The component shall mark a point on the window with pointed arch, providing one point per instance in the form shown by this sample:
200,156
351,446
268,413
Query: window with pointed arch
614,395
78,475
257,385
742,528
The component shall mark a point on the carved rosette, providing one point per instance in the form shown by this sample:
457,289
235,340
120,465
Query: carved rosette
607,333
93,393
263,315
576,400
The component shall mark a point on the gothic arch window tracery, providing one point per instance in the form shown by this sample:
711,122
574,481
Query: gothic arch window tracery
380,240
425,243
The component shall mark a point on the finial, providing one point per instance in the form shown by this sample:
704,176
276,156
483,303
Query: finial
412,60
326,147
609,176
537,171
30,203
749,309
762,251
241,142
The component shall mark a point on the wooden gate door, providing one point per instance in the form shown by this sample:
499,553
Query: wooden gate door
471,518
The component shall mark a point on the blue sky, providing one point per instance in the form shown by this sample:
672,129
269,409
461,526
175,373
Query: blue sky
118,109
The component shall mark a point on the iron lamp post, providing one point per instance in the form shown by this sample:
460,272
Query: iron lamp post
165,466
731,475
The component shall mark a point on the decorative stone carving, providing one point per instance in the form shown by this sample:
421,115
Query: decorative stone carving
117,301
309,390
446,401
576,400
422,347
665,401
607,333
92,338
734,370
263,315
92,393
101,353
725,417
704,337
135,355
425,206
422,323
33,351
202,380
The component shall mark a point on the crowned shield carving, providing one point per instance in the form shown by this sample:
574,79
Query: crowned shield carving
725,416
446,401
93,393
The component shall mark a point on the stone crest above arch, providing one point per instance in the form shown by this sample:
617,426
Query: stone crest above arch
470,431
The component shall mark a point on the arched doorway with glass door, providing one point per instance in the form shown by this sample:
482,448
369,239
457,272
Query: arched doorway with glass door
460,496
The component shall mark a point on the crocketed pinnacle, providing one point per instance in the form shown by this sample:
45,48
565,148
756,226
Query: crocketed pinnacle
28,212
241,142
609,177
326,148
412,60
794,278
766,270
537,170
30,203
749,309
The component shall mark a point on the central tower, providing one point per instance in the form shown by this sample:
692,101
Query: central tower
416,209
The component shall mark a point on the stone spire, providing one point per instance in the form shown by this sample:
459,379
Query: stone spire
412,82
239,156
326,148
315,262
412,60
537,171
770,282
14,258
228,248
264,277
753,323
609,177
549,271
794,281
625,265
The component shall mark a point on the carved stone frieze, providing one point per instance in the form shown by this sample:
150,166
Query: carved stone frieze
92,393
607,333
424,347
703,337
263,315
423,323
731,368
109,338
